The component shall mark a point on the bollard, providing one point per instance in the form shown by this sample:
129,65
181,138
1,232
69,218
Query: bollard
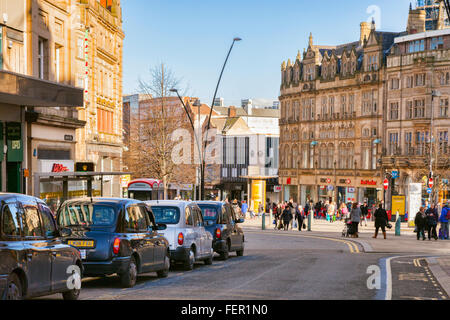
264,221
398,225
309,221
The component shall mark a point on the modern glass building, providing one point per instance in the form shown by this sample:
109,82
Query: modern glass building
434,12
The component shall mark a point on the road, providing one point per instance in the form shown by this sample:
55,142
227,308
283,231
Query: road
280,265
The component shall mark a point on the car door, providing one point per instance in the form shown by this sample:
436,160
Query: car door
38,254
61,254
137,233
191,236
156,238
235,241
200,230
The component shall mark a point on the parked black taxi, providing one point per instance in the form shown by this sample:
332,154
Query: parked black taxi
33,260
115,236
222,221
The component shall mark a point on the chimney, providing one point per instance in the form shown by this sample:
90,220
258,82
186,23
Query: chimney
416,21
231,112
365,32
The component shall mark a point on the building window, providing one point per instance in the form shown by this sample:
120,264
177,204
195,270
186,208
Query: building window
105,121
395,84
42,59
443,107
419,108
408,144
421,142
409,81
393,143
437,43
417,46
394,111
443,142
420,80
225,172
444,78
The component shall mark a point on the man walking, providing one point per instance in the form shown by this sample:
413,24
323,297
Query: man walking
244,208
364,213
444,219
421,222
432,219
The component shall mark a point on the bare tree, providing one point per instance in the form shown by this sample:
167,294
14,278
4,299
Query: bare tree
151,143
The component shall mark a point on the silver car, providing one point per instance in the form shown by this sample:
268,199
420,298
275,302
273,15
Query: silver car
188,239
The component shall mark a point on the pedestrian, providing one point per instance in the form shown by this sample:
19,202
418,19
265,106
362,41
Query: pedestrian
432,220
444,219
364,213
300,216
244,209
344,211
355,218
381,221
260,210
421,223
287,217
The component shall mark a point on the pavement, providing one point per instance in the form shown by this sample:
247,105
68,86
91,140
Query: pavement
437,252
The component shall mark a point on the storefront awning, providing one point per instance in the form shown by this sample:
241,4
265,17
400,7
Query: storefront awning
18,89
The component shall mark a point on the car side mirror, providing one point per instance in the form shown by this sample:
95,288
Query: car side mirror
65,232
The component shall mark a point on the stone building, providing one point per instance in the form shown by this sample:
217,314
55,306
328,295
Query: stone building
98,64
417,121
38,94
331,120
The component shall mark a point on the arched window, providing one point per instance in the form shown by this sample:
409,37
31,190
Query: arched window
351,156
323,153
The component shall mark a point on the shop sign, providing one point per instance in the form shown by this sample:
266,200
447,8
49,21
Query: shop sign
369,182
277,189
399,204
351,190
125,180
57,166
330,188
289,181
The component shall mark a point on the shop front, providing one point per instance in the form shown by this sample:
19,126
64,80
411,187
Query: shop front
370,191
61,185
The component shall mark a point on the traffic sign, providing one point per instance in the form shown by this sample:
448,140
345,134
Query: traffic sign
431,183
386,184
429,191
330,188
395,174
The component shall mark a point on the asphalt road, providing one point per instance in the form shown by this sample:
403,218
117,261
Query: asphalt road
280,265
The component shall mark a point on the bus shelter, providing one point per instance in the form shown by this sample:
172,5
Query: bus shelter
56,187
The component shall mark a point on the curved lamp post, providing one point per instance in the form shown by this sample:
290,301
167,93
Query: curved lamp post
196,137
203,150
202,176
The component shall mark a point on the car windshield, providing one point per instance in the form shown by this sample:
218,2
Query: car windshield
166,215
86,215
209,212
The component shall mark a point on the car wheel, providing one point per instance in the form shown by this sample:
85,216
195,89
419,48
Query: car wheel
14,289
224,255
189,265
209,261
165,273
128,278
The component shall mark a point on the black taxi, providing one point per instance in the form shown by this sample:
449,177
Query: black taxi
115,236
33,260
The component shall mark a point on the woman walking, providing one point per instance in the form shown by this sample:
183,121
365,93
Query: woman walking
381,220
355,218
287,217
421,223
299,217
432,220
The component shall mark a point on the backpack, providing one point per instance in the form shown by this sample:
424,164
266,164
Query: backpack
448,213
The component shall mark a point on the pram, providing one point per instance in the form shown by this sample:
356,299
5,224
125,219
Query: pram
348,228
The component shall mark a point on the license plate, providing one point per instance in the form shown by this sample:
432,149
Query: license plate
83,254
81,244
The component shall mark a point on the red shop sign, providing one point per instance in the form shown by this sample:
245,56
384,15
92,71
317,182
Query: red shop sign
369,182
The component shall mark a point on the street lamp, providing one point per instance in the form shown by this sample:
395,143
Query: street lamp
196,104
434,94
202,176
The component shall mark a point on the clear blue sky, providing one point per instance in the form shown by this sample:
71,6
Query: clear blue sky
192,37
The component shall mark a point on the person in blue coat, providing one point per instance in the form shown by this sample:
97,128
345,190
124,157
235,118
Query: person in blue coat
444,219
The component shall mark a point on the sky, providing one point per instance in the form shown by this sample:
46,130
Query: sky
192,39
